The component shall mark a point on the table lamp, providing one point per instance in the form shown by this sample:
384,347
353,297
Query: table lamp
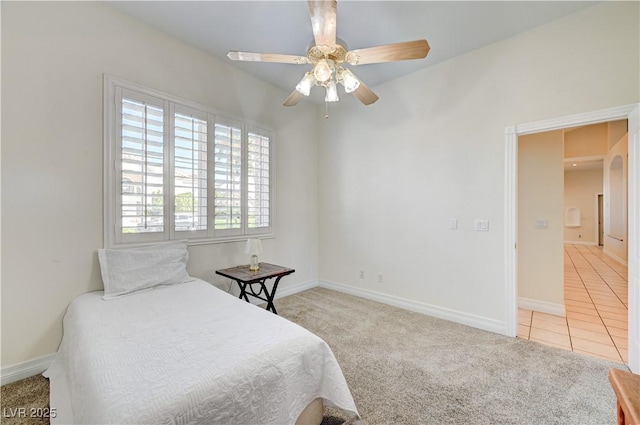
253,248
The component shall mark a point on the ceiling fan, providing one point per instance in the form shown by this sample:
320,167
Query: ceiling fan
328,57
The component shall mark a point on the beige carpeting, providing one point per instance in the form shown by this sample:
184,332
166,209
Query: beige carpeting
30,393
407,368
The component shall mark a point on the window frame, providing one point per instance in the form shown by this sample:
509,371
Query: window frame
113,88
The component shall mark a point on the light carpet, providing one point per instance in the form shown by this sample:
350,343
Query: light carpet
408,368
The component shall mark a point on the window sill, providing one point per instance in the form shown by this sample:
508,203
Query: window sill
195,242
243,238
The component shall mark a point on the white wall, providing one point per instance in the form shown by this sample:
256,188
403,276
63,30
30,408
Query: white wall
53,57
432,148
581,188
616,185
540,195
615,131
587,141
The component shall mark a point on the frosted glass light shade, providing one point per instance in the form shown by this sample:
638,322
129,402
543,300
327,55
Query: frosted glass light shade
253,247
332,93
323,70
304,86
348,80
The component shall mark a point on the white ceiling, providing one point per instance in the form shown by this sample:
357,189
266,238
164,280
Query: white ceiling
451,27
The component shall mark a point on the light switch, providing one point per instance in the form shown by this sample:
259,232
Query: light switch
453,223
482,225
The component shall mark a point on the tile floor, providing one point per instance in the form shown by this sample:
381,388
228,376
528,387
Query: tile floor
595,295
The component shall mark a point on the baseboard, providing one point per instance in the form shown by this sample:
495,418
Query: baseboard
472,320
614,256
542,306
26,369
294,289
581,243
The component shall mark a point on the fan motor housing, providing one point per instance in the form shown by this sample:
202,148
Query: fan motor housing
336,53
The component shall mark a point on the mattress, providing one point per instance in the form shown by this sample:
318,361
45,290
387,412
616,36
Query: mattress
188,354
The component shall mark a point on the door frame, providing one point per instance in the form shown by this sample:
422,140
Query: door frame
633,228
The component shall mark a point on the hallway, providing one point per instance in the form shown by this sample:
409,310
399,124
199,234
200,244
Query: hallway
595,293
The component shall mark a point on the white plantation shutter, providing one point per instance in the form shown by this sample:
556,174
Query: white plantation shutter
175,169
190,172
141,167
228,178
258,180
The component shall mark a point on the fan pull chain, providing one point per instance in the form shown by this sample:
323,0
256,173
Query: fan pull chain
326,110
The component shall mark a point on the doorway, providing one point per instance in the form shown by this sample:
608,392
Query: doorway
630,112
600,215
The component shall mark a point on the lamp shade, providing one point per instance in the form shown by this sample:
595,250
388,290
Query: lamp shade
348,80
323,70
304,86
332,93
253,247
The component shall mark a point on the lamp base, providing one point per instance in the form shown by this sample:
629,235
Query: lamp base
254,266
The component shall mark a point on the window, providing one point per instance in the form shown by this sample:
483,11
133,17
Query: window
258,181
178,170
228,177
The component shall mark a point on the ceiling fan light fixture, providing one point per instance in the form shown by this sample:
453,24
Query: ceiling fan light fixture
332,93
348,80
323,70
304,86
327,55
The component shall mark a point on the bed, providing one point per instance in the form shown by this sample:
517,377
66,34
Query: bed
189,353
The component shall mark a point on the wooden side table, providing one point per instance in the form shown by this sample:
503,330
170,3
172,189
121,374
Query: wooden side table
246,279
627,388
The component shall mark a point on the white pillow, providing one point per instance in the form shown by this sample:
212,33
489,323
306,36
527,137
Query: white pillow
133,269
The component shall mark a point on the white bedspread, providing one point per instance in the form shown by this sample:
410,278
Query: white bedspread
187,354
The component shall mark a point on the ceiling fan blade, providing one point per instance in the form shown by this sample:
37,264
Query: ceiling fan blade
365,94
266,57
293,98
417,49
323,21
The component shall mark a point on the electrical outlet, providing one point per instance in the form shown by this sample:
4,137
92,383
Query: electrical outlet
380,278
361,274
482,225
